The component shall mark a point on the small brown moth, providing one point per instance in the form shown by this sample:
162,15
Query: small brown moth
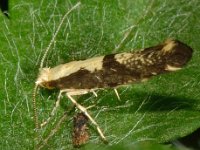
80,130
113,71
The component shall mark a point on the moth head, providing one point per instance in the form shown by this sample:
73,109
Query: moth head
178,55
43,77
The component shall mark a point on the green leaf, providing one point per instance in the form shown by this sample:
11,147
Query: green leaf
157,111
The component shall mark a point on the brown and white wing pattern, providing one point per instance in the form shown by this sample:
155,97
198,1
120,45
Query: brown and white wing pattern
117,69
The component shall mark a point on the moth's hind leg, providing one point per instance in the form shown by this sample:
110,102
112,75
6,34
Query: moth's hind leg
117,94
84,110
57,104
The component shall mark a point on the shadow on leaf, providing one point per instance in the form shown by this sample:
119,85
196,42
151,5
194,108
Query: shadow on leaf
158,102
147,102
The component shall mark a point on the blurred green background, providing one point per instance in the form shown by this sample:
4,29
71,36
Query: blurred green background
162,109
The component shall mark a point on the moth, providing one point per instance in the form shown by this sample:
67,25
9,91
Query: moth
80,130
112,71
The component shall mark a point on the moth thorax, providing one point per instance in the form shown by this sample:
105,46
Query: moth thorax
43,77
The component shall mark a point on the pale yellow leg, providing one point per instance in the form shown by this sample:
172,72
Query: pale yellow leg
76,92
57,104
95,94
84,110
116,92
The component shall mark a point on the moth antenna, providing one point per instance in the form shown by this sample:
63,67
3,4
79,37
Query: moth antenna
42,63
54,36
34,107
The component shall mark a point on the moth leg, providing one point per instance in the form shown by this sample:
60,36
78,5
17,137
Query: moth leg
95,94
57,104
116,92
90,107
84,110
